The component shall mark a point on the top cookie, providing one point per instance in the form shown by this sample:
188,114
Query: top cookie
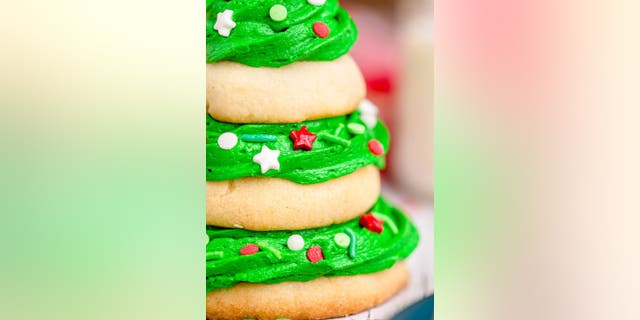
274,33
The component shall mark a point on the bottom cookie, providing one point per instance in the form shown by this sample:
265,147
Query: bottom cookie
322,298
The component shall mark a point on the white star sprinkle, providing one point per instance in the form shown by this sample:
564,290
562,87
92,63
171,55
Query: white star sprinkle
267,159
224,23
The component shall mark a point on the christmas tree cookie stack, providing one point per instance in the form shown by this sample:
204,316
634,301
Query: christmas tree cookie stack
296,226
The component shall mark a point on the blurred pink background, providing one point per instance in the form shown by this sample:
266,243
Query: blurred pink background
395,53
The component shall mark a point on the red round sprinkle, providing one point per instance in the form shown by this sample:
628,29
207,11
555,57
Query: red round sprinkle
321,29
372,223
314,254
376,147
249,249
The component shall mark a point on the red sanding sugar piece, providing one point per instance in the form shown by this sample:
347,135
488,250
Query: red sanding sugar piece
314,254
321,29
376,147
249,249
372,223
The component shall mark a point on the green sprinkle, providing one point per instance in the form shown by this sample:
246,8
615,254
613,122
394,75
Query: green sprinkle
214,255
276,253
338,129
356,128
278,12
283,319
388,221
352,244
342,239
335,139
258,137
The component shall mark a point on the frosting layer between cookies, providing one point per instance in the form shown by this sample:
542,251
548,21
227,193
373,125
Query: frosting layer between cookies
307,152
364,245
248,32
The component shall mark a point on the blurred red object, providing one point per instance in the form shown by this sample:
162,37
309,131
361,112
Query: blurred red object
376,49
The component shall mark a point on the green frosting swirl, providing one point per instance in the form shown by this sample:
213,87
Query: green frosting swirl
259,41
330,158
275,262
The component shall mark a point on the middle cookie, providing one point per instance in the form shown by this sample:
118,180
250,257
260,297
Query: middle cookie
259,171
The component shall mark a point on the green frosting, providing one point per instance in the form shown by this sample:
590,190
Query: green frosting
275,262
330,157
259,41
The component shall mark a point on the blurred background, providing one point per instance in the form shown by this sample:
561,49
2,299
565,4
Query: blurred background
395,53
537,154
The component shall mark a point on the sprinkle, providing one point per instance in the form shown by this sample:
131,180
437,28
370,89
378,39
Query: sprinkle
224,23
321,29
278,12
376,147
276,253
356,128
373,224
367,107
388,221
352,244
314,254
249,249
227,140
317,2
258,137
342,239
339,129
368,113
214,255
207,237
335,139
267,159
295,242
302,139
370,120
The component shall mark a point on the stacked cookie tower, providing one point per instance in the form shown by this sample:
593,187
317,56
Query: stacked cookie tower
296,226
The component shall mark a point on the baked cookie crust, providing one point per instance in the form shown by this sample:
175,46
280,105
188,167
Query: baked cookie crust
322,298
264,204
304,90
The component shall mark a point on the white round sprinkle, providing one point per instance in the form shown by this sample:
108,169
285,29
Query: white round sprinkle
295,242
227,140
317,2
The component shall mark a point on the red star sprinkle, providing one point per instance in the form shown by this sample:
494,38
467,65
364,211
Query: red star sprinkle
302,139
249,249
321,29
376,147
372,223
314,254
